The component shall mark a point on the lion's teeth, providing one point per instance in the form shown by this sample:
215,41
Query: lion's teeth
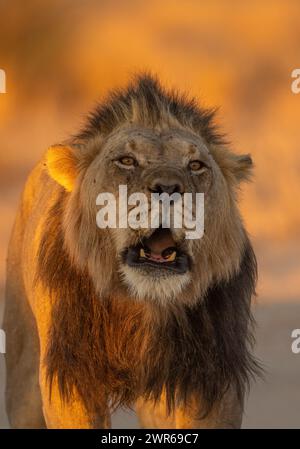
142,253
171,257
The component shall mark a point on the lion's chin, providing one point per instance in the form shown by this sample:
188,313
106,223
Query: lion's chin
164,287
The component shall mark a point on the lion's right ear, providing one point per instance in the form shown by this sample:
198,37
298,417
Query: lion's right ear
62,165
235,167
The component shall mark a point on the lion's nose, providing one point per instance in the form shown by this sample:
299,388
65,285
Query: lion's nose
163,186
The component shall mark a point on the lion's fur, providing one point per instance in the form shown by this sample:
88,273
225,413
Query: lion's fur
130,348
102,343
145,103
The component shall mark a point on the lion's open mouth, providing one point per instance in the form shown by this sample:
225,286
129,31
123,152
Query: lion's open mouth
159,251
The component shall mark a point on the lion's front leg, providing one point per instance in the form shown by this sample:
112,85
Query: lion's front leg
70,414
226,414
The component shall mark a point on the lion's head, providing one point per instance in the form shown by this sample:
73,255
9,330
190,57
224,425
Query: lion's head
151,141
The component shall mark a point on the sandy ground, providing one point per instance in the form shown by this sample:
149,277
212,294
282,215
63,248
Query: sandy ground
272,403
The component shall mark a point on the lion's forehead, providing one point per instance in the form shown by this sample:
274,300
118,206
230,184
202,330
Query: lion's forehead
148,143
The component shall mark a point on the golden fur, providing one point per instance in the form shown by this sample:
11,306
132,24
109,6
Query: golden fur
104,333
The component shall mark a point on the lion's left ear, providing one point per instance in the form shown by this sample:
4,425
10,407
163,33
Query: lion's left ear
242,167
234,166
62,165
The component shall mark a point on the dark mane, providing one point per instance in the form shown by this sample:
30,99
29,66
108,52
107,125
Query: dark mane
121,349
146,95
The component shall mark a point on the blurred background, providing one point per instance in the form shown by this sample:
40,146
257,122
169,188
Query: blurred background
62,56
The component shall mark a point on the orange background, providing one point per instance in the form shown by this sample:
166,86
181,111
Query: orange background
62,56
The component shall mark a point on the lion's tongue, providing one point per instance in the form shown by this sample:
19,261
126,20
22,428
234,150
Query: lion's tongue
159,241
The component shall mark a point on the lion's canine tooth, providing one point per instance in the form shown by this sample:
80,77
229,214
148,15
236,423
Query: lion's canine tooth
171,257
142,253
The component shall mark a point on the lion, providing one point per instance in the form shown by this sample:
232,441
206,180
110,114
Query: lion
98,319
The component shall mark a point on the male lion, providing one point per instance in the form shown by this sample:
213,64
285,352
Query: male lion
100,318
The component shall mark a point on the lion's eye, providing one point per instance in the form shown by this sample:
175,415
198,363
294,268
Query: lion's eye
127,161
196,165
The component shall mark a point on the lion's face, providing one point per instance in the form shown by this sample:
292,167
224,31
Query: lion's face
157,263
151,143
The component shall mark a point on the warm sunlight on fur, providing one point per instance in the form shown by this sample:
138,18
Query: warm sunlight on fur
102,326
